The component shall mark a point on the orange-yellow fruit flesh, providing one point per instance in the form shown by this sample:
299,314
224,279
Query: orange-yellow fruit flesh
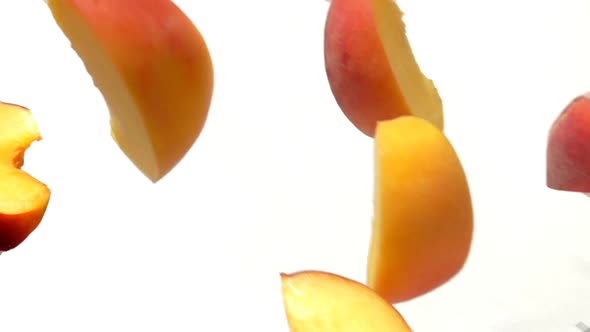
153,69
423,218
318,301
23,199
419,92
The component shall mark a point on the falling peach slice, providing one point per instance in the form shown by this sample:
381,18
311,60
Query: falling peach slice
423,217
568,148
153,69
23,199
317,301
371,67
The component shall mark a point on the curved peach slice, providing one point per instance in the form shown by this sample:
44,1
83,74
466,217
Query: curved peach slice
568,148
318,301
371,67
423,222
153,69
23,199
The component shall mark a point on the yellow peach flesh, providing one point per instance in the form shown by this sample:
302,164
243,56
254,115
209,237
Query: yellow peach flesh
423,219
317,301
23,199
419,91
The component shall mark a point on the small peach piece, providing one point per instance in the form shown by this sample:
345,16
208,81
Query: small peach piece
371,67
23,199
423,222
568,148
318,301
153,69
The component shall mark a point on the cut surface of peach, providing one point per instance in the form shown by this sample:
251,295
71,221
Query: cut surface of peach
153,69
371,67
23,199
317,301
423,218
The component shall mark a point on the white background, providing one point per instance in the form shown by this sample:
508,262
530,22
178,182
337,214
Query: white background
280,181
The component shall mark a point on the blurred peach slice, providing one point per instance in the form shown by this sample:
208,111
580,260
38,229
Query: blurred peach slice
153,68
568,148
423,217
317,301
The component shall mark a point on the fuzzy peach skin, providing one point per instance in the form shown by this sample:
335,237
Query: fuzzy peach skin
317,301
23,199
423,216
153,68
371,68
568,148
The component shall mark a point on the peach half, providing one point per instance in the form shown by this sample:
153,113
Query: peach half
371,68
23,199
153,68
423,218
317,301
568,148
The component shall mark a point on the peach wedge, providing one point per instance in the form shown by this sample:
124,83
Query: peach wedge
153,68
23,199
317,301
423,218
371,68
568,148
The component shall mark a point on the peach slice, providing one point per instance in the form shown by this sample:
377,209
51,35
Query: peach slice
153,68
371,68
317,301
568,148
23,199
423,218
